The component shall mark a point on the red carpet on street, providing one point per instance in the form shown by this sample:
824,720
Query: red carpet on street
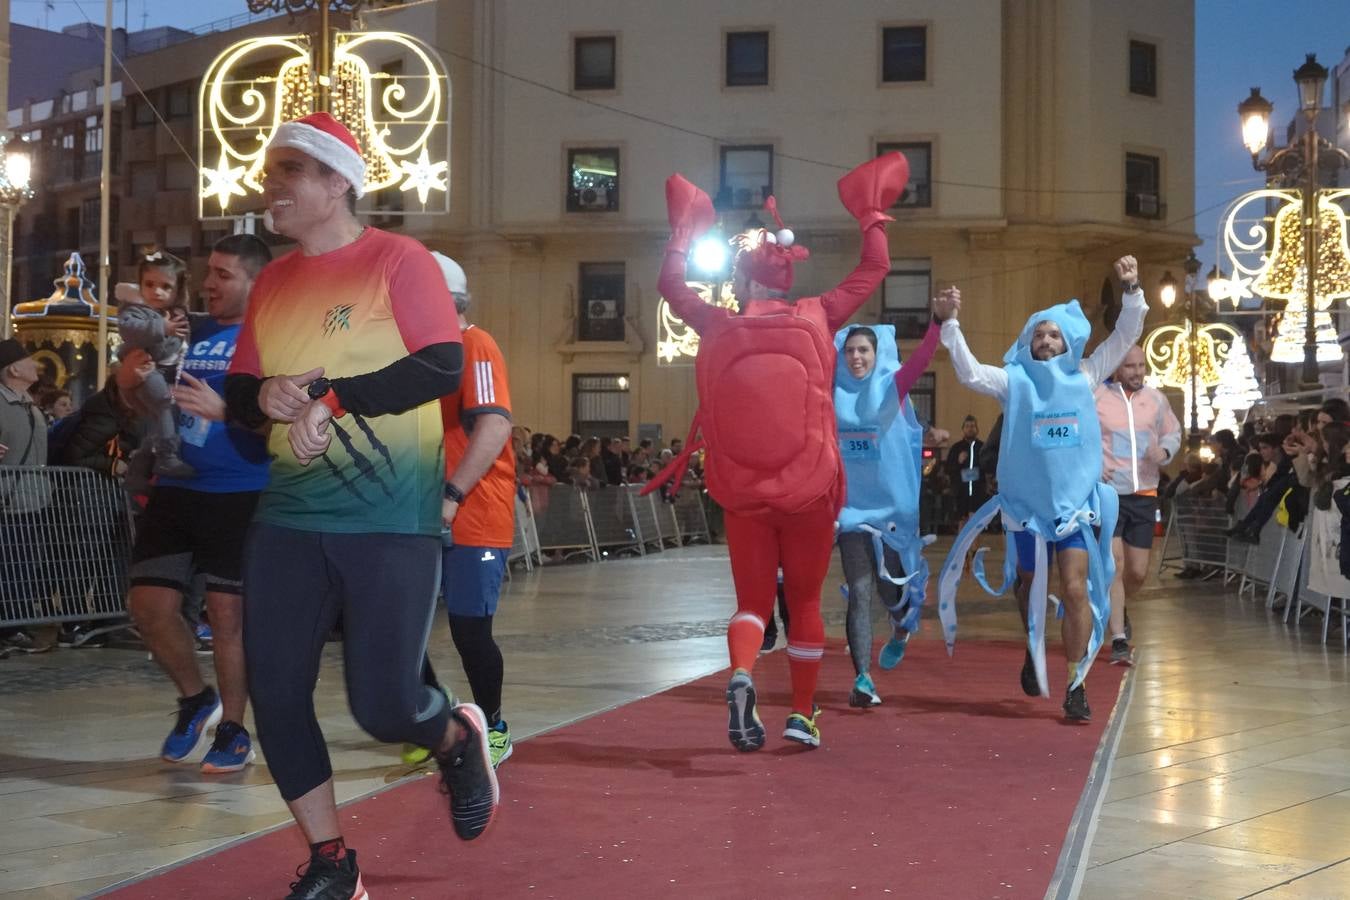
957,786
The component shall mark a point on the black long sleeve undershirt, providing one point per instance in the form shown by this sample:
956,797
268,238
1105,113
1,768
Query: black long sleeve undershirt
429,374
241,401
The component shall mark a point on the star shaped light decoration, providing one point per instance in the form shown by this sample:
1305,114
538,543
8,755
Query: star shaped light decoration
1237,288
424,175
223,181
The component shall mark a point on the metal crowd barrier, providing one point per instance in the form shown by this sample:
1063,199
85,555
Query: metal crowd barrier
1280,562
65,543
563,521
1201,524
614,520
525,544
1328,605
647,514
1284,581
1169,557
1261,561
690,516
1306,597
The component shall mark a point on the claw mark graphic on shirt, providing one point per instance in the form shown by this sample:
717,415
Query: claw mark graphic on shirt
375,442
363,463
338,319
345,481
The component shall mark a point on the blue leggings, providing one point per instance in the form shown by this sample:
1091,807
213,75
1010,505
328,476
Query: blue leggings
296,583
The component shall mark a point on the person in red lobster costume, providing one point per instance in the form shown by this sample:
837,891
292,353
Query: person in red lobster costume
766,416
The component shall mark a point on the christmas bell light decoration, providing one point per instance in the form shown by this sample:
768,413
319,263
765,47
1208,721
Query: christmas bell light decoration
389,89
1167,350
1285,275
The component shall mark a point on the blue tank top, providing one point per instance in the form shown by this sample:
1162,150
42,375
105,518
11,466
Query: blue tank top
227,458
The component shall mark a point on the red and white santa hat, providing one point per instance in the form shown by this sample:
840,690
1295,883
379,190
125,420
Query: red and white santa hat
326,139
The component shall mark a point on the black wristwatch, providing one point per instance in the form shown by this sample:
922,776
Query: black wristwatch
453,493
1128,287
318,388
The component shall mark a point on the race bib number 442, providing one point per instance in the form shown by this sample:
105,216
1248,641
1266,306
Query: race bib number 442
859,445
1055,430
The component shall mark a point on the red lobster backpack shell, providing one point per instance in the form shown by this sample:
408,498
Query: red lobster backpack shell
766,408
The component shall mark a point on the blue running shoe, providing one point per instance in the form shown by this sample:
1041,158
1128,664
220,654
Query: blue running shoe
231,750
195,719
802,730
864,693
893,652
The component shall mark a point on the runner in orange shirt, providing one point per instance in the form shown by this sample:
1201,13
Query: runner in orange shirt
478,513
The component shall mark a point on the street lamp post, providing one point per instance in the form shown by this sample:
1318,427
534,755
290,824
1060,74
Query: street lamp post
15,172
1297,165
1192,267
1167,292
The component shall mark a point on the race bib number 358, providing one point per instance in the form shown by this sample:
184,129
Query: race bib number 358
859,445
1055,430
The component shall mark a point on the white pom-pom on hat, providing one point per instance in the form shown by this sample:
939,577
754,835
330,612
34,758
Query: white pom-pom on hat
786,237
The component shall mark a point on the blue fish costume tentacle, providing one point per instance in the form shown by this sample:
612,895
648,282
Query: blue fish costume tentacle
881,443
1049,469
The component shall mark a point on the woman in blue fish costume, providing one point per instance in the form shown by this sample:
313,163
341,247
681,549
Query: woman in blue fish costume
1049,481
881,444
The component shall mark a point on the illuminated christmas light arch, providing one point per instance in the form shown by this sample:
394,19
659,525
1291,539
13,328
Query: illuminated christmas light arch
400,118
1167,349
1263,243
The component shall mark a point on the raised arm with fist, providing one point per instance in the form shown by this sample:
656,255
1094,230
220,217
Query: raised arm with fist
1127,270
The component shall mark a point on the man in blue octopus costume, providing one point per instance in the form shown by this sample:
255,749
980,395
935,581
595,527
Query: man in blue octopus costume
1050,487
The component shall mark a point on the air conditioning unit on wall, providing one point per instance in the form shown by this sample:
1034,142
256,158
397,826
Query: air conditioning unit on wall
593,198
1146,204
602,309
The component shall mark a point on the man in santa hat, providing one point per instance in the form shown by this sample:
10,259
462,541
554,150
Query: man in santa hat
766,414
353,336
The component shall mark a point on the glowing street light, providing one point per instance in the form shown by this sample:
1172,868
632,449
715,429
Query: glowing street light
16,169
711,255
1255,115
1167,292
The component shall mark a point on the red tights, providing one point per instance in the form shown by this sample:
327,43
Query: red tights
799,543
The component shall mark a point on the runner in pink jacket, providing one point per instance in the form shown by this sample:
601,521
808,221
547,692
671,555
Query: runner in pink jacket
1140,434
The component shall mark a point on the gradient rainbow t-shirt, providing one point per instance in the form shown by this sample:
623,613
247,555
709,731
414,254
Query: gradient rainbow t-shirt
353,311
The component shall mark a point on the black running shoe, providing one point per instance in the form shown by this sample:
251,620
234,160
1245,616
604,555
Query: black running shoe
468,777
324,879
1121,655
1029,685
1076,707
770,638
